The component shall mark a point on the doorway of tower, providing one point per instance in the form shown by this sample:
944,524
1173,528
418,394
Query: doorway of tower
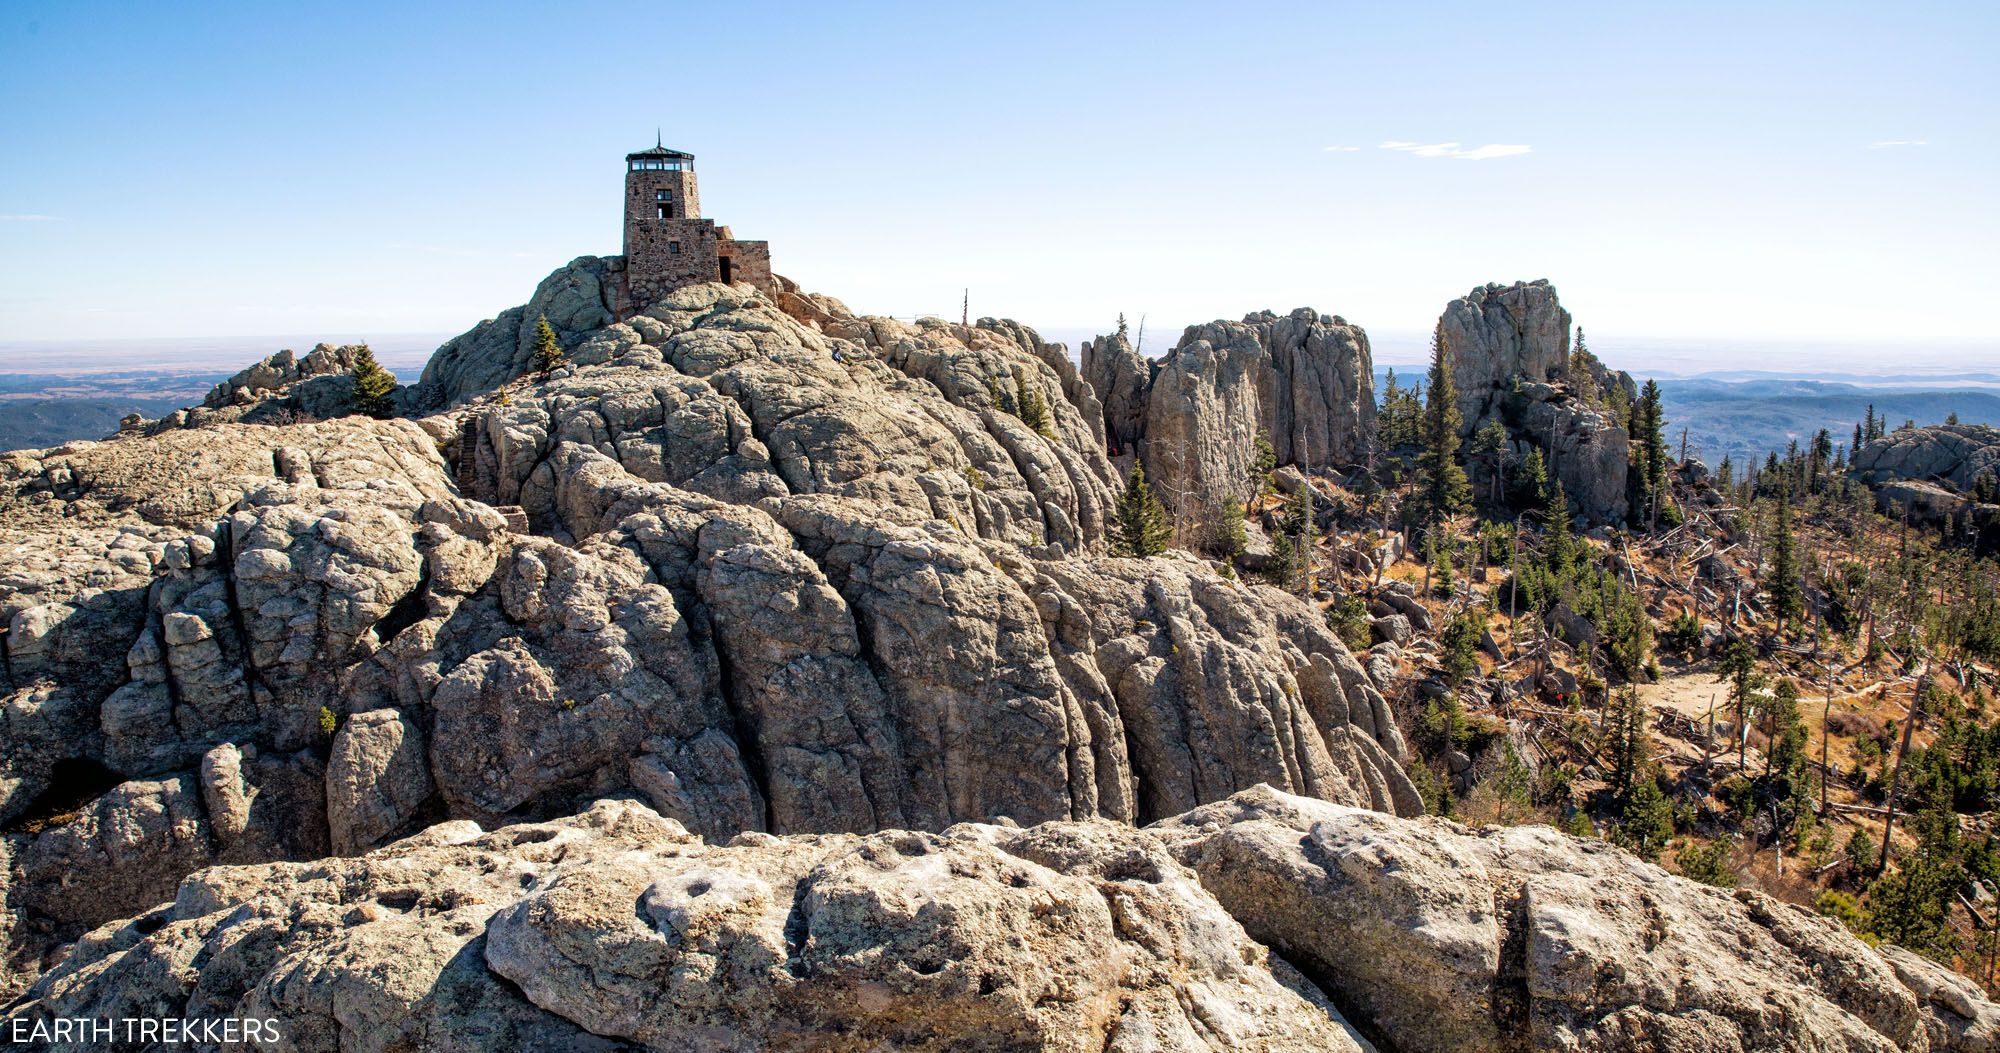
724,260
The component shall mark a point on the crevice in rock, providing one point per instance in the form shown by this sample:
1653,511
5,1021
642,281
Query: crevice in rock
73,783
743,728
407,611
892,729
1511,1002
6,662
1316,973
225,550
1039,493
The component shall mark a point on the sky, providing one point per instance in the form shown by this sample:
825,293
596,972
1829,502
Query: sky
1713,175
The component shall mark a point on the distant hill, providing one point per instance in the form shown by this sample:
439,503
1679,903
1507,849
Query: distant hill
1747,419
27,424
1763,412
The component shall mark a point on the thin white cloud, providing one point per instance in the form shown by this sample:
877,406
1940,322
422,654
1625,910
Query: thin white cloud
1340,149
1884,144
1492,150
1458,151
25,217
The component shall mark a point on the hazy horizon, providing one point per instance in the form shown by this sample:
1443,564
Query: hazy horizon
1662,357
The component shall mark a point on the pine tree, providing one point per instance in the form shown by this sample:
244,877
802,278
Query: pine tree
1489,448
548,353
1725,474
1299,527
1787,594
1558,546
1230,537
1443,489
1529,487
372,386
1581,379
1264,460
1385,421
1649,451
1121,325
1739,665
1034,410
1631,750
1140,526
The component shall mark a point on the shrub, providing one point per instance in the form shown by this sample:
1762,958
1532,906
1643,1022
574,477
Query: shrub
1707,862
1348,618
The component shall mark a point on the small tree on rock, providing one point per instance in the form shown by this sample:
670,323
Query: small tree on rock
1034,410
372,386
548,353
1263,461
1140,528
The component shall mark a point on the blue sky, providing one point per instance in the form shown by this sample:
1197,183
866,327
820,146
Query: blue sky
1694,171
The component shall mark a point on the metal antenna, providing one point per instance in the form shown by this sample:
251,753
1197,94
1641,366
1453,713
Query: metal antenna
657,139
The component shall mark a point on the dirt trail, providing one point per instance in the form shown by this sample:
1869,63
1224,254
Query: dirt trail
1689,695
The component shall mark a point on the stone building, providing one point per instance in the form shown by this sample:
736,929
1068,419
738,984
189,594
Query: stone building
668,244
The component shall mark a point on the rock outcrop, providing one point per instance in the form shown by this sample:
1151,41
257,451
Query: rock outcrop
1306,380
1266,922
1122,378
280,372
1436,937
768,573
1510,353
576,300
1953,454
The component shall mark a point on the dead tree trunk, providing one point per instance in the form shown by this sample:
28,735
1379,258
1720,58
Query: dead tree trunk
1896,774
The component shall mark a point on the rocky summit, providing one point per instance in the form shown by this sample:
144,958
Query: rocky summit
762,677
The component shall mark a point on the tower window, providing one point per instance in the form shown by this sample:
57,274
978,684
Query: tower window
663,195
666,211
673,248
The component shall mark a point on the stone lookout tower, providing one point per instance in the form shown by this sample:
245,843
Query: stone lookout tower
668,244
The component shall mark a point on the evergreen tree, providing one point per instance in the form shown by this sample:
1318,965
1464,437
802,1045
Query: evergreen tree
1121,325
1787,592
1646,823
1631,749
1649,452
548,353
1857,437
1580,378
1140,525
1725,474
372,386
1443,489
1489,448
1034,412
1230,537
1262,464
1558,545
1819,462
1298,526
1739,665
1529,487
1385,420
